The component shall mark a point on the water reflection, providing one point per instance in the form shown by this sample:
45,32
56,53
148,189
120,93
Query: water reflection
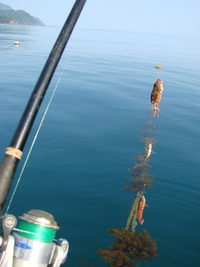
17,29
29,37
21,33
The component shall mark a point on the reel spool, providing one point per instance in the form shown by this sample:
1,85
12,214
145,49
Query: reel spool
33,245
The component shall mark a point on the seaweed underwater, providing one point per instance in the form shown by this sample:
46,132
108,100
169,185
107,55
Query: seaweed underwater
140,176
129,247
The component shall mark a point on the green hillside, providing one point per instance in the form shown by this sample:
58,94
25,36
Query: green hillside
3,6
19,17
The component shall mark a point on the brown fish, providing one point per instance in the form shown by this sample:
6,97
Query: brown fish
156,95
141,207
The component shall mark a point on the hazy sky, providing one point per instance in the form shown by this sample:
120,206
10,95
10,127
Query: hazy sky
171,17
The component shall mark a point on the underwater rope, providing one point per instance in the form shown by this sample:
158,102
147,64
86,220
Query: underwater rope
133,213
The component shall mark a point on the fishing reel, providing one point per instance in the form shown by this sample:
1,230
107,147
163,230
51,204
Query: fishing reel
34,244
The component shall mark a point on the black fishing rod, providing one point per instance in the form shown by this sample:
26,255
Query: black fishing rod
14,152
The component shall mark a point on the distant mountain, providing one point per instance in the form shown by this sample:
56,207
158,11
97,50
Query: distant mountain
4,7
37,19
19,17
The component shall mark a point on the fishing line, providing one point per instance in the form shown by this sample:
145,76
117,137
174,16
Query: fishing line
36,232
158,71
40,125
38,130
23,231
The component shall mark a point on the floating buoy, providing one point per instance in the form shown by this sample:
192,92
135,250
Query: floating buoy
158,67
16,43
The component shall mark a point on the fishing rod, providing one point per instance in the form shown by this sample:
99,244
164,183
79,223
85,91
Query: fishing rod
14,152
34,244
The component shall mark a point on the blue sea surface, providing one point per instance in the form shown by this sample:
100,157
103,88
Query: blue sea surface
92,132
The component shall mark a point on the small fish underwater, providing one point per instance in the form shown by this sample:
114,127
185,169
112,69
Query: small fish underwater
156,96
149,151
141,207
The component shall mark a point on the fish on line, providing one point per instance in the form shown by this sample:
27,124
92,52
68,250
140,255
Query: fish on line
141,207
149,151
156,96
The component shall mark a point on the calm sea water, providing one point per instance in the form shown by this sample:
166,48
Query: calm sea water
93,130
